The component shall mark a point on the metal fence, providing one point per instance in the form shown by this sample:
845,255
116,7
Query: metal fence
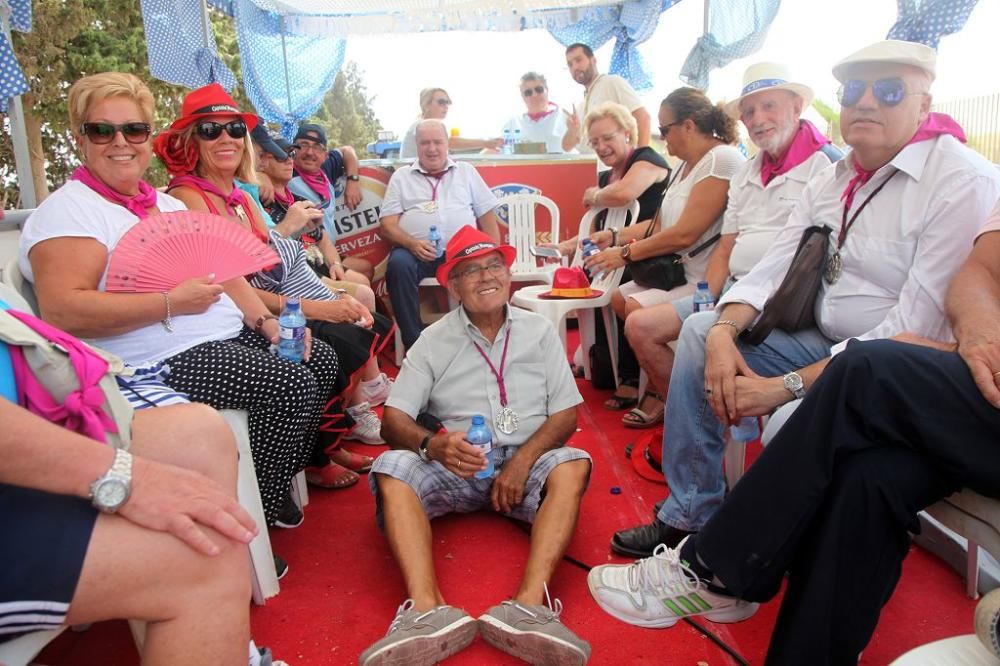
980,118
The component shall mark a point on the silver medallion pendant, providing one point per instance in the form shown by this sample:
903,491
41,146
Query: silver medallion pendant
506,421
833,268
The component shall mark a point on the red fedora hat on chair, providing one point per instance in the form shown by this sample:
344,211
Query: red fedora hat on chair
570,283
469,243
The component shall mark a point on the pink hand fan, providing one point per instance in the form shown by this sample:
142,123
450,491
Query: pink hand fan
161,251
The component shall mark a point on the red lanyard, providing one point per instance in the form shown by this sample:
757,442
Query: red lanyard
434,186
503,362
845,226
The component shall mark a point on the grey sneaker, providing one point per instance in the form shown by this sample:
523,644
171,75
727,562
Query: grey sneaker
416,639
533,634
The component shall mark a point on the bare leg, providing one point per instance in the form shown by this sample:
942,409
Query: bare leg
553,528
359,270
197,607
648,331
409,534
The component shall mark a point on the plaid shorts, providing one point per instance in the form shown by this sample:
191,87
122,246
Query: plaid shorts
442,492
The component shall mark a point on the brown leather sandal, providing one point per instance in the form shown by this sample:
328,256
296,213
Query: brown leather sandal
638,418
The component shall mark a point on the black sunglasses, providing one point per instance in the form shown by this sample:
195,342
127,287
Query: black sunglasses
209,130
888,92
103,133
666,128
531,91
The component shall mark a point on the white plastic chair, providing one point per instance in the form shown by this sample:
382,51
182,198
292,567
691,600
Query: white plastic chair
555,310
521,231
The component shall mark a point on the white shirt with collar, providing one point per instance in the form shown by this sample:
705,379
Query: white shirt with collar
445,375
550,129
460,199
901,252
757,213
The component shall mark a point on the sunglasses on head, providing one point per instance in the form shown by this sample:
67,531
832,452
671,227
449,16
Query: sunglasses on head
888,92
532,91
443,101
209,130
102,133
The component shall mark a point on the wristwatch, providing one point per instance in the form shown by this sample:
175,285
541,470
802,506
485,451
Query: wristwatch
793,382
423,448
355,177
627,253
111,491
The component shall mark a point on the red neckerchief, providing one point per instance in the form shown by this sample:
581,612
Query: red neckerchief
861,176
317,182
804,144
285,198
535,117
235,199
138,205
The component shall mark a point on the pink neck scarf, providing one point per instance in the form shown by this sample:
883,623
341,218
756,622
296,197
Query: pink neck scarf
235,198
138,205
284,197
317,182
548,112
933,126
81,411
807,140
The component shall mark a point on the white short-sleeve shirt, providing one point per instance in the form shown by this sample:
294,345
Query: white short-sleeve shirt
551,129
460,199
75,210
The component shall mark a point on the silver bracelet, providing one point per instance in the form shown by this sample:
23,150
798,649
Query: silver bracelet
167,322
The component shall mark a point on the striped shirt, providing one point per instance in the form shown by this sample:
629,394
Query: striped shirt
293,276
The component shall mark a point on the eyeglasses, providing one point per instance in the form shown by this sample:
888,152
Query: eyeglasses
209,130
607,138
473,273
443,101
308,146
103,133
665,129
537,90
887,92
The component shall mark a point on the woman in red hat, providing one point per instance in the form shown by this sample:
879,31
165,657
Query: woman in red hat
206,150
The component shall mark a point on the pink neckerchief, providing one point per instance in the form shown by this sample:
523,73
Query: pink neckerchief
934,125
232,200
138,205
317,182
805,143
535,117
285,198
81,411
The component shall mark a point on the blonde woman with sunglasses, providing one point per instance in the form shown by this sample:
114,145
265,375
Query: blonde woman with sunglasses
434,103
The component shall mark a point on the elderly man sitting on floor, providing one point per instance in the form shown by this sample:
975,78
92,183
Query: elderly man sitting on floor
465,365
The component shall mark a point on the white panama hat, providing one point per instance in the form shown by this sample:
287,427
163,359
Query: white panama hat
891,51
768,76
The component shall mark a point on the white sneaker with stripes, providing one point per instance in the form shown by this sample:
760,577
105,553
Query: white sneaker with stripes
658,591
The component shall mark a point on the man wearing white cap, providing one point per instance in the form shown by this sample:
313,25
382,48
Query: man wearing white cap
903,208
761,196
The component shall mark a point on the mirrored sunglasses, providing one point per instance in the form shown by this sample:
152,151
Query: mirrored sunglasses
209,130
888,92
537,90
103,133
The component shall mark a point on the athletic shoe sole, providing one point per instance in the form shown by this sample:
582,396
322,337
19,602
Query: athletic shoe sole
729,615
530,646
427,649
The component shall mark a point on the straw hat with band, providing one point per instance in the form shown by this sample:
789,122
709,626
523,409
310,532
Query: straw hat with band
470,243
890,51
768,76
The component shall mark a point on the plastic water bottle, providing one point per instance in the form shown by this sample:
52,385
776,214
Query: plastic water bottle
508,142
517,137
480,436
589,250
747,430
434,236
704,301
292,332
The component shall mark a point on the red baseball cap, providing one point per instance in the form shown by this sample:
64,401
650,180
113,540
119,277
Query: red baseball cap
469,243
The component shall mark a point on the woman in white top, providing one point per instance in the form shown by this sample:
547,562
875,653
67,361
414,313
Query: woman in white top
701,134
434,103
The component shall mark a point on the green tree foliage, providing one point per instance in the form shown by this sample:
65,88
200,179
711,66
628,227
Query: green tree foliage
73,38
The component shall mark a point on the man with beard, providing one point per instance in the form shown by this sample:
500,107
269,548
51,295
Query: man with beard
599,88
761,196
903,206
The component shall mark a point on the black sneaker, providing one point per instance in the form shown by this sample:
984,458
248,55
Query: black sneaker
290,515
280,566
658,506
641,541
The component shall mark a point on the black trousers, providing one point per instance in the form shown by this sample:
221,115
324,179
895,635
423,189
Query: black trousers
889,429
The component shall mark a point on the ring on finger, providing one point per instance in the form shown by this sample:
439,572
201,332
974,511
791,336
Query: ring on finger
459,465
708,390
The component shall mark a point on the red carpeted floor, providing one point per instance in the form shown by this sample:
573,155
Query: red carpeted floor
343,586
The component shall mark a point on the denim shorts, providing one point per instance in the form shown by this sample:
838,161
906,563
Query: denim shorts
441,492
